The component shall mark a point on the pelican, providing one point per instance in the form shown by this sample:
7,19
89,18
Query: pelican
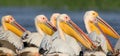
44,27
10,34
94,23
53,18
65,38
84,35
72,42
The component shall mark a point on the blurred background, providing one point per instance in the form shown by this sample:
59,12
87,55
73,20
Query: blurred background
64,4
24,11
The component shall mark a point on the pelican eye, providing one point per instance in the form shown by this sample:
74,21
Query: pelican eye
43,18
66,18
93,13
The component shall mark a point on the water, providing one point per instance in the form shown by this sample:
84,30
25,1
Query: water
25,17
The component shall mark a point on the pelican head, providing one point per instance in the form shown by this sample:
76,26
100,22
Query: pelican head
53,18
9,23
91,14
43,25
91,18
69,27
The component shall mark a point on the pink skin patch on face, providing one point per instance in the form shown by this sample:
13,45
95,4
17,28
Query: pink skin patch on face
44,19
67,18
10,18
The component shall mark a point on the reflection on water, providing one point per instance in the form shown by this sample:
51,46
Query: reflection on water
25,17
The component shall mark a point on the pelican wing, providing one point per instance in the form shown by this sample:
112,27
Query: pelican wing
54,36
99,40
7,44
12,38
70,41
103,43
46,42
73,44
54,44
35,39
61,46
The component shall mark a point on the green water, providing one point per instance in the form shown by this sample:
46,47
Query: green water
66,4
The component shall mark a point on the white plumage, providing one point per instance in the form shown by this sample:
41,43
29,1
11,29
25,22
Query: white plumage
56,45
34,38
12,38
99,40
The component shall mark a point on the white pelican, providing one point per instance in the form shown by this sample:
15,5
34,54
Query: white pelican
53,18
94,23
72,42
82,34
10,34
62,41
43,27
